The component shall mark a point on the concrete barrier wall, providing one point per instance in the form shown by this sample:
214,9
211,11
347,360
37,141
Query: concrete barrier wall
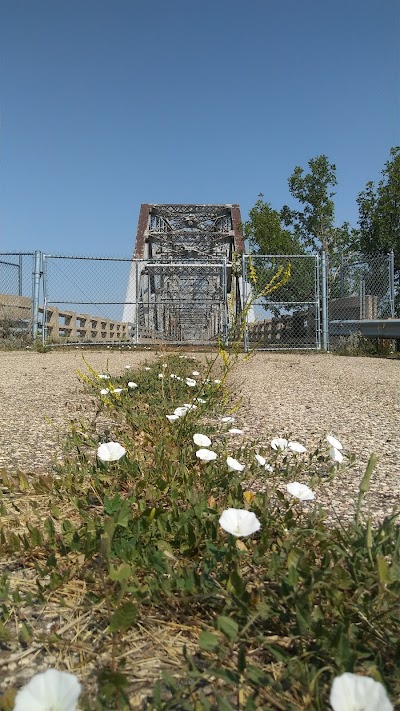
16,314
69,325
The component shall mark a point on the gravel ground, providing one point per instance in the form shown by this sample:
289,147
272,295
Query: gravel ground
302,394
311,395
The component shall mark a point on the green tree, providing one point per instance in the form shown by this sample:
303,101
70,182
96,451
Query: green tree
266,233
313,226
379,211
268,236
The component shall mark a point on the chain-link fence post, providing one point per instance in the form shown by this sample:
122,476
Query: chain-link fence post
245,309
324,302
391,284
20,275
36,292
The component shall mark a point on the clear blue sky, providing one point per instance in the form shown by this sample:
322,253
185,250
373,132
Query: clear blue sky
106,104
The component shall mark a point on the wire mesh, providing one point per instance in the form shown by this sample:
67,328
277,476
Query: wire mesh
359,288
182,301
107,299
281,295
16,270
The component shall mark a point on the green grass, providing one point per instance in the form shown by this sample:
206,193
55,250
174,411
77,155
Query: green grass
133,550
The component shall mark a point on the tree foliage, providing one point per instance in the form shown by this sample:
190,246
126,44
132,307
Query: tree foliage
313,226
266,233
379,211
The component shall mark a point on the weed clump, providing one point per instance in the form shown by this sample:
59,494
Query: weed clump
164,580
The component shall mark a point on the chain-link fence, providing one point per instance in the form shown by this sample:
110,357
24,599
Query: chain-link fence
282,301
181,301
289,301
359,288
16,294
89,299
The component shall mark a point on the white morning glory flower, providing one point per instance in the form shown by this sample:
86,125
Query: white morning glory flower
300,491
180,411
172,418
201,440
161,375
110,451
239,522
227,419
164,365
104,391
103,377
127,366
336,455
296,447
235,431
132,385
147,368
279,443
51,690
206,455
195,372
192,383
200,400
353,692
334,442
217,381
117,391
261,460
234,465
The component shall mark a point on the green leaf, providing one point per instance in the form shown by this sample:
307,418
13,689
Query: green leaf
383,570
123,618
228,626
123,572
208,641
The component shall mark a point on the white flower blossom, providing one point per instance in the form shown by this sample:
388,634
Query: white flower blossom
104,391
336,455
279,443
206,455
172,418
239,522
132,385
234,465
296,447
235,431
51,690
103,376
300,491
353,692
261,460
180,411
201,440
110,451
228,418
192,383
334,442
117,391
195,372
201,400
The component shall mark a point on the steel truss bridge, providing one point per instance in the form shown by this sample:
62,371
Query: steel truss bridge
182,288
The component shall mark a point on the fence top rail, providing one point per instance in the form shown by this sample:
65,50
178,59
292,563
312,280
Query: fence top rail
272,256
17,254
99,259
